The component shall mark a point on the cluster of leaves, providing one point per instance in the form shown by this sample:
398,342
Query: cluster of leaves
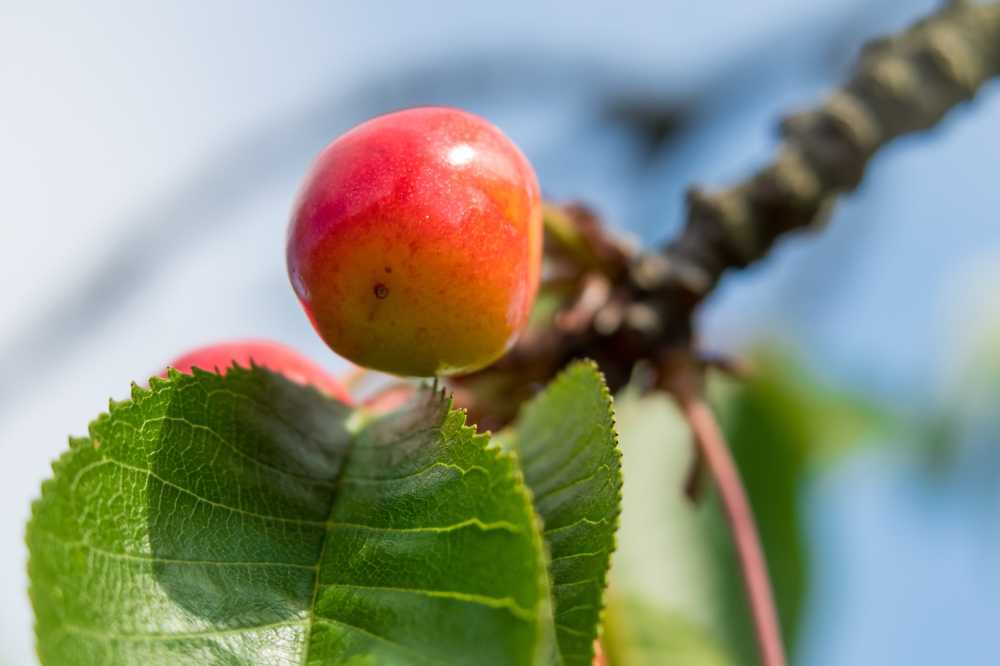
246,519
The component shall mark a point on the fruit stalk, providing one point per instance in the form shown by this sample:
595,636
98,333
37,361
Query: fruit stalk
683,379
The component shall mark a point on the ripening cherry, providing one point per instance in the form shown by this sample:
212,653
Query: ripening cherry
415,244
271,355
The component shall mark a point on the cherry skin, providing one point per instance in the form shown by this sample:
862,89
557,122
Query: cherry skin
271,355
415,244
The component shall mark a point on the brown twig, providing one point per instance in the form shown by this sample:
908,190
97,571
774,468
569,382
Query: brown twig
683,379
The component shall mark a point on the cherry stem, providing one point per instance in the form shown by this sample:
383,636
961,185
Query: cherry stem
756,582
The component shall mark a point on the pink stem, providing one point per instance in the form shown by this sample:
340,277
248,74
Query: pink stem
713,447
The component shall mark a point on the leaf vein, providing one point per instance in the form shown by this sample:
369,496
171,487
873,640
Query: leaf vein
108,636
471,522
82,543
571,556
196,496
229,445
575,609
580,521
389,479
571,630
506,603
576,482
571,583
361,630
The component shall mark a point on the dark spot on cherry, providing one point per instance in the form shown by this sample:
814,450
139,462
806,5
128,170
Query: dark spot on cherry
381,291
388,269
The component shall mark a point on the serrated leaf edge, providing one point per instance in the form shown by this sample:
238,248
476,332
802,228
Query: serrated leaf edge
157,384
564,376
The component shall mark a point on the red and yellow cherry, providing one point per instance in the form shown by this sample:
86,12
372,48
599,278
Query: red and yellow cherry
415,244
271,355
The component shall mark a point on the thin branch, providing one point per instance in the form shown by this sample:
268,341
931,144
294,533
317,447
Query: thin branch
683,381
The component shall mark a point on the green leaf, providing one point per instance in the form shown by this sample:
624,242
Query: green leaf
569,451
243,520
664,558
676,555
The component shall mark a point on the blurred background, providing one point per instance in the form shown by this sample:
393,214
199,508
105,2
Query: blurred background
150,152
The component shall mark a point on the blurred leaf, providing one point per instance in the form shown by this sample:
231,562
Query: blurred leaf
782,424
663,556
241,519
639,634
677,555
567,444
830,421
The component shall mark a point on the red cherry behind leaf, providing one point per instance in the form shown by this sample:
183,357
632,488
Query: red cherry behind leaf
276,357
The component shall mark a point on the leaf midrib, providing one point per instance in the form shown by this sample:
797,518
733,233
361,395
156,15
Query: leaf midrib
328,527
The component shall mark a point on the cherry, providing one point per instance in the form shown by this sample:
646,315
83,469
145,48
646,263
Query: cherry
271,355
415,244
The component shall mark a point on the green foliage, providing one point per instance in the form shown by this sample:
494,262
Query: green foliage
245,519
220,520
664,558
640,634
569,452
675,554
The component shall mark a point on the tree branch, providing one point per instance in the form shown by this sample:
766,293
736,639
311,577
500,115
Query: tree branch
900,85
